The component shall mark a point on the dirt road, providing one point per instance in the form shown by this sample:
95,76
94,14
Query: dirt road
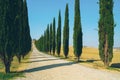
46,67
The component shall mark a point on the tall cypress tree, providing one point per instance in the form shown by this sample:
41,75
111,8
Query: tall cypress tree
45,41
106,31
8,54
26,31
2,28
51,38
7,33
19,24
77,36
48,38
11,25
42,43
66,33
54,43
58,45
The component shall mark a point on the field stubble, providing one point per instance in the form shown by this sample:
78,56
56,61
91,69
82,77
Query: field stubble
90,57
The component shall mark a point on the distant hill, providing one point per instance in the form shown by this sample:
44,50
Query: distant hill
116,48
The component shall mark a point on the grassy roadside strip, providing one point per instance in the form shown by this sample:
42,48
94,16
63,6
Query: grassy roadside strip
92,63
16,68
90,58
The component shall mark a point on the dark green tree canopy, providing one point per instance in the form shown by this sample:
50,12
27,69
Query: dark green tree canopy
11,27
54,34
59,34
66,32
51,37
77,36
106,31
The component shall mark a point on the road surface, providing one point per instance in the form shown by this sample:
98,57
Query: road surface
45,67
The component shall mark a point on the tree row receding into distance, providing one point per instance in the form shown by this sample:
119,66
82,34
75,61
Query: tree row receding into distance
15,39
54,39
105,32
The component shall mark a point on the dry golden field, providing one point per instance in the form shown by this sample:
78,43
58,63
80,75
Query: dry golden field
90,58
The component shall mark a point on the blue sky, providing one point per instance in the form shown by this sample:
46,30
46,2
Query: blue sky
42,12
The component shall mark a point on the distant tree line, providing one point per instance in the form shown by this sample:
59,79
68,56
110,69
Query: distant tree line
51,40
105,32
15,39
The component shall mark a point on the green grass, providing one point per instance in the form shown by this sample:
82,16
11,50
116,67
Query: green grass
10,76
114,69
1,65
16,69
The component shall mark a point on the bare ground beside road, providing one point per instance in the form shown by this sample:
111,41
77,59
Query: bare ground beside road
45,67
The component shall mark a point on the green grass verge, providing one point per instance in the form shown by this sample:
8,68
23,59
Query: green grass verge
10,76
15,65
96,64
114,69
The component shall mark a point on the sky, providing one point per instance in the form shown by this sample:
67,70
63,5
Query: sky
42,12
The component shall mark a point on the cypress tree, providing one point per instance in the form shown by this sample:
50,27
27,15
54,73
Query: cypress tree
11,27
42,43
54,43
48,38
8,56
2,28
18,23
106,31
51,38
7,32
77,36
26,31
66,33
45,41
24,35
39,43
59,35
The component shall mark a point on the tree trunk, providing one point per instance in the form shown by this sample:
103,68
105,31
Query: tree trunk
23,56
65,57
58,55
19,59
78,59
106,61
7,67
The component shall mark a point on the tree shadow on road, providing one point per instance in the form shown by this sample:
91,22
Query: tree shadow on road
49,67
87,61
91,60
36,57
40,60
115,65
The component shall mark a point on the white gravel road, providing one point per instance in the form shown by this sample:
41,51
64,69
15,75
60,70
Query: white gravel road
45,67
